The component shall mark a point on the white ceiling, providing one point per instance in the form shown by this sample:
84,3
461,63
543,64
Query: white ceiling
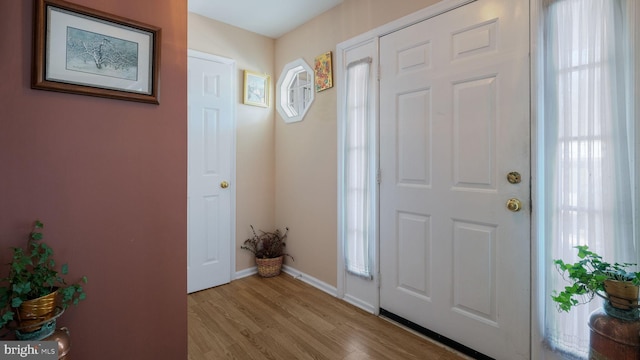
271,18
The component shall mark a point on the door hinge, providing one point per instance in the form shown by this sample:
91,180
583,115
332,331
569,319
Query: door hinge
378,176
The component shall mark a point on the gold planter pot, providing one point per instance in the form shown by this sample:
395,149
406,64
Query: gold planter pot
33,313
622,294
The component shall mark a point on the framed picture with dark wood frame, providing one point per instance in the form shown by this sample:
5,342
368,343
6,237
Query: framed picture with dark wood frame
84,51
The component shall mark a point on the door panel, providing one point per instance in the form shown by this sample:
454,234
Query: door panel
414,120
414,244
474,118
210,162
454,121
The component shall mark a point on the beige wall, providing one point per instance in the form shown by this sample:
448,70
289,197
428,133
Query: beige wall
306,152
286,173
255,161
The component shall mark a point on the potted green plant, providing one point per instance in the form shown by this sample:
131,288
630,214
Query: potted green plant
269,250
591,276
34,287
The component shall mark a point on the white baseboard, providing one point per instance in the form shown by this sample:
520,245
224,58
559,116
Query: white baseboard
318,284
360,304
245,273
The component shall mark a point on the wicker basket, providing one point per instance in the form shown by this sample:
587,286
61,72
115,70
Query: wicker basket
269,267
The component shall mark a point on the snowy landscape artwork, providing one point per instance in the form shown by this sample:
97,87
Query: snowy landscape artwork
100,54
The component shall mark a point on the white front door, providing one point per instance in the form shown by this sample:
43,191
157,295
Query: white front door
210,187
454,121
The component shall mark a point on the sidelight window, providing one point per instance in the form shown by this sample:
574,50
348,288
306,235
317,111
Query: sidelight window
359,172
589,149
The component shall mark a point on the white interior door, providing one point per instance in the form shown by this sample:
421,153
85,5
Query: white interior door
454,121
210,187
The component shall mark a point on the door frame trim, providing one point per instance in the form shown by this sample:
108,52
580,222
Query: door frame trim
537,351
232,176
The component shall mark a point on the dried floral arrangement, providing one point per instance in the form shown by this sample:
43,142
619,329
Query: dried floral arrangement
267,245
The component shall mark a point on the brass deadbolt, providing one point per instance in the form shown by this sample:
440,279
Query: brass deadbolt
514,177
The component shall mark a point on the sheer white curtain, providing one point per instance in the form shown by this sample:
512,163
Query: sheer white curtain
359,172
589,149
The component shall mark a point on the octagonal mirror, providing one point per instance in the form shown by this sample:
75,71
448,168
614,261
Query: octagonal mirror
295,91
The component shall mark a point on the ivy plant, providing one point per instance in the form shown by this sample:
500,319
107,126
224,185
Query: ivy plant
33,274
587,277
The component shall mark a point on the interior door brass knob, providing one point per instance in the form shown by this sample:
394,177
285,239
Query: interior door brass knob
514,204
224,184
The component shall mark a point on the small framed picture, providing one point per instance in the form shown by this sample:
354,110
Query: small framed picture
256,89
323,72
89,52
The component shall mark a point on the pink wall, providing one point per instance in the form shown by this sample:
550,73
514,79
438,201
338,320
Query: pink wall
108,179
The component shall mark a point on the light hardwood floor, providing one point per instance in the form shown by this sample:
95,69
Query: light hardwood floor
284,318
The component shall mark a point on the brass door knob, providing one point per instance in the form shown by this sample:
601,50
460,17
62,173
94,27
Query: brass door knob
514,204
224,184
